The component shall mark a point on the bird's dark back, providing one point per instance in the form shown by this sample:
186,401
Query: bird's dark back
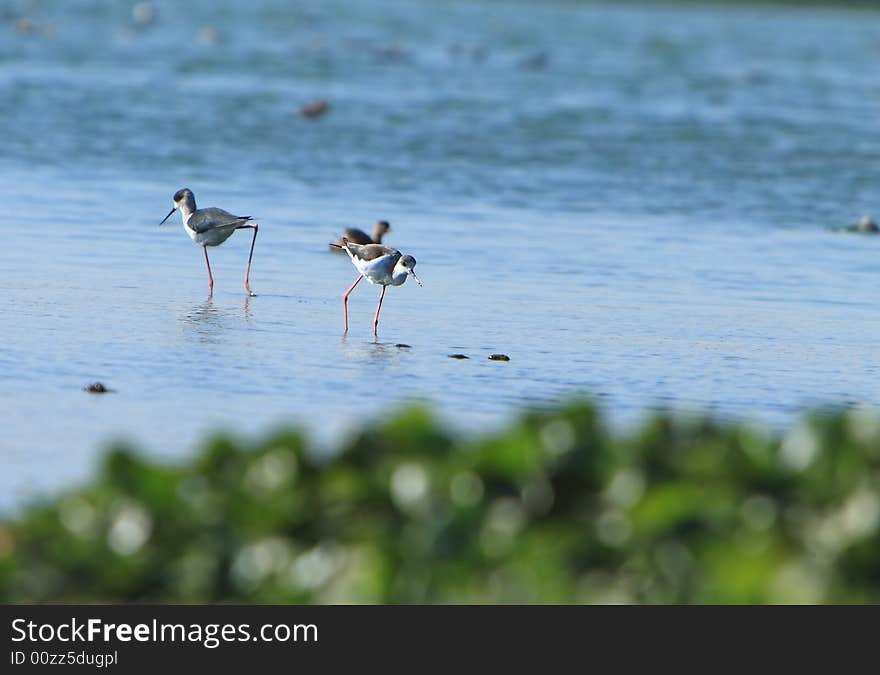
210,218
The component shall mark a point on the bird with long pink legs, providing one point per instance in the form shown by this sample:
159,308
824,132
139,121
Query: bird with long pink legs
211,227
380,265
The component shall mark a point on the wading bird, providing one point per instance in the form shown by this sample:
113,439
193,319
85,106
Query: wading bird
382,266
356,236
211,227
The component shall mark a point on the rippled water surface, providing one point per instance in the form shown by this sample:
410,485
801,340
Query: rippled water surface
632,202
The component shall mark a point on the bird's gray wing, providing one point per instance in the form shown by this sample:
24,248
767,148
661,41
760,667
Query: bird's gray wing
212,218
373,251
356,236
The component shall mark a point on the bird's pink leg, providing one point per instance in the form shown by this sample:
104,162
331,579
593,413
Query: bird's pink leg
345,300
378,309
247,274
208,263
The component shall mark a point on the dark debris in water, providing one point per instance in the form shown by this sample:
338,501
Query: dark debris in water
97,388
537,61
499,357
314,109
459,356
401,345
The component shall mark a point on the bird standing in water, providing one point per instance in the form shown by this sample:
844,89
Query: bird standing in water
382,266
211,227
356,236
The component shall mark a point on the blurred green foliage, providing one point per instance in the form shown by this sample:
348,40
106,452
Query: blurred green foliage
555,509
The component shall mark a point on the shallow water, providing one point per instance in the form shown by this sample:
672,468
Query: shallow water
631,202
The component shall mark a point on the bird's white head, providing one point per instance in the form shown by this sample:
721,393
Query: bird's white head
184,200
405,267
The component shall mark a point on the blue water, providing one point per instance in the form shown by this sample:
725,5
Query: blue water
631,201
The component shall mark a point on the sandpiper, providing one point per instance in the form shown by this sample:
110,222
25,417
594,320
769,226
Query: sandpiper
381,265
211,227
356,236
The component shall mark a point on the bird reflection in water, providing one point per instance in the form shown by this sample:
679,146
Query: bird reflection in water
373,351
209,323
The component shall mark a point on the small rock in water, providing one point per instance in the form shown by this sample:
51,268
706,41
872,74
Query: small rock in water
209,35
459,356
499,357
314,108
96,388
26,26
535,62
391,53
400,345
143,13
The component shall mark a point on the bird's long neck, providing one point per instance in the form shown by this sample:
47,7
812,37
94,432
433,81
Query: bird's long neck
187,208
378,231
398,275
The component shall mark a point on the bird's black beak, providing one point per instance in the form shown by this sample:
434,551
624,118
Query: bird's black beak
168,216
